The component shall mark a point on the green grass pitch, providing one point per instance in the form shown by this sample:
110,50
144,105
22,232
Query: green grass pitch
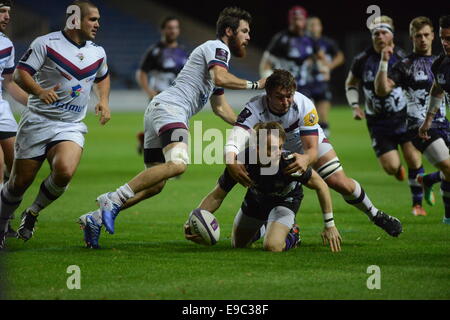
148,257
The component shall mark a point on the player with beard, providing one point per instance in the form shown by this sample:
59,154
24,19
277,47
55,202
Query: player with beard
161,64
166,119
386,116
8,125
413,74
440,89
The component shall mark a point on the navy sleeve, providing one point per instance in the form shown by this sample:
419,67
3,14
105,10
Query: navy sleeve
357,66
226,182
275,47
398,74
333,48
148,61
436,64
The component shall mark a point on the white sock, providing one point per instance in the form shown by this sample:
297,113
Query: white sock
122,194
361,201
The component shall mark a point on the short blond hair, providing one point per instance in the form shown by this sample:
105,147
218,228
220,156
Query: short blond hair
418,23
382,19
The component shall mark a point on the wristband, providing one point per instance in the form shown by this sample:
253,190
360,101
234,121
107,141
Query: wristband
383,66
252,85
328,220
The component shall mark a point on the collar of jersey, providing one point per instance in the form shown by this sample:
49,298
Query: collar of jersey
79,46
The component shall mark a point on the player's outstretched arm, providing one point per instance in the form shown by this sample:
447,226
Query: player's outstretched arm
222,109
210,203
383,84
25,81
352,93
436,96
330,233
102,107
224,79
14,90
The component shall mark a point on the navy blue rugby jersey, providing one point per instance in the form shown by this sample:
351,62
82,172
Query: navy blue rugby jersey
276,185
441,72
414,75
389,111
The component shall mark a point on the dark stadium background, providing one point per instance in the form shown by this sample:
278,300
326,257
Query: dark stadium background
128,28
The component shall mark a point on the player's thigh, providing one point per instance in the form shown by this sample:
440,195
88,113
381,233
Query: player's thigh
64,157
412,156
23,173
244,229
390,161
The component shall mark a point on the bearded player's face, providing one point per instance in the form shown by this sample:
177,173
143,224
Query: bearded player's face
90,24
4,18
238,41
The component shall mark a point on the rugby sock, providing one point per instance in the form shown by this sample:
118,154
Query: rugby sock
445,190
48,192
432,178
122,194
361,201
414,186
8,204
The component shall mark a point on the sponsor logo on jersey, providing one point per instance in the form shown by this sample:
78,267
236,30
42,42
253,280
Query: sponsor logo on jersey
420,76
76,91
368,76
441,78
243,115
222,54
311,118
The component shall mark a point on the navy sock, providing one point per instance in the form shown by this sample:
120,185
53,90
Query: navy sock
416,188
445,189
432,178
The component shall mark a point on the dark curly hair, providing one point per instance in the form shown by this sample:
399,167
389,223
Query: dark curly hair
230,17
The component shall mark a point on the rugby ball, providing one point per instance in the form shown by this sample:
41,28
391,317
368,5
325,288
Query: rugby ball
205,224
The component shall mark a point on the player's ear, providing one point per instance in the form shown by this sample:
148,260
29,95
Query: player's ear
229,32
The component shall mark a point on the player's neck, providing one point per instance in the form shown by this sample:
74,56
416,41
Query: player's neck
74,36
422,53
172,44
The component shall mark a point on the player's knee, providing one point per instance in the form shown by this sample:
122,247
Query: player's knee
389,168
63,175
445,169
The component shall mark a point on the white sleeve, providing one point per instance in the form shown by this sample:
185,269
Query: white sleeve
237,140
9,66
34,58
216,55
103,70
309,120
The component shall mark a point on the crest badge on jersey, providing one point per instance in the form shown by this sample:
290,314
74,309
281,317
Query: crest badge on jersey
311,118
80,56
222,54
441,78
76,91
420,76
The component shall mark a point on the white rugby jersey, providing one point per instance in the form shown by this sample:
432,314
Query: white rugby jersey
55,59
300,120
6,58
194,86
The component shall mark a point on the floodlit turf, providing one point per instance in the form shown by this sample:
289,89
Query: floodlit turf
148,257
